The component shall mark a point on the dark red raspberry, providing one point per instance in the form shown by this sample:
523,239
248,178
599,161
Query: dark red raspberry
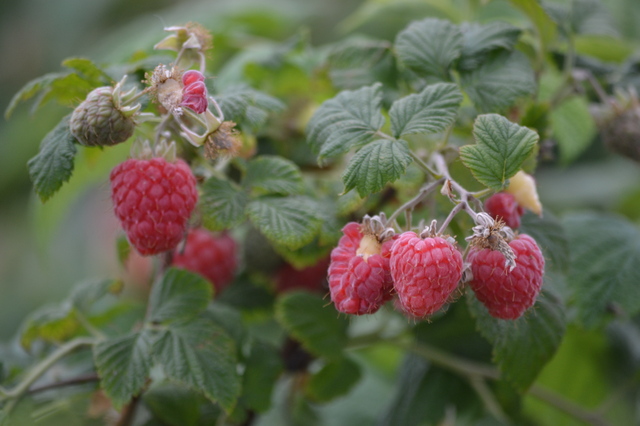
212,256
507,294
194,92
504,206
312,278
359,277
425,272
153,199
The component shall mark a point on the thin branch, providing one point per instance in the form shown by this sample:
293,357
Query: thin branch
424,191
568,407
80,380
488,398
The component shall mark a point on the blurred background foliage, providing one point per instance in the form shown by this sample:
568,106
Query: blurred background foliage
44,249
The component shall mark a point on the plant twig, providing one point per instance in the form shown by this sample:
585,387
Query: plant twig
488,398
422,194
80,380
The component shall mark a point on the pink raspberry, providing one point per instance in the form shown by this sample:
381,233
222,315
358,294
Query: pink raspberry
194,92
507,294
212,256
359,277
153,199
504,206
425,272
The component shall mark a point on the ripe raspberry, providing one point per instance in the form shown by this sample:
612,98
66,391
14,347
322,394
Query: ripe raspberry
504,206
425,272
359,277
97,121
312,278
213,257
194,92
153,200
507,294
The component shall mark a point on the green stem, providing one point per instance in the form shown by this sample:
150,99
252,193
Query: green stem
424,166
488,398
424,191
136,97
84,321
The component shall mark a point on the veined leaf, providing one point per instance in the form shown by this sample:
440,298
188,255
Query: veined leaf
349,120
88,292
270,174
429,111
375,165
180,296
429,47
89,70
336,378
573,126
356,63
30,89
501,148
479,40
550,237
248,107
222,204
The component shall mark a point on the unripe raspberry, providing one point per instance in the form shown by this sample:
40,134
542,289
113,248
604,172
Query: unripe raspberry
506,293
97,121
523,187
425,272
359,277
194,92
505,207
153,199
213,257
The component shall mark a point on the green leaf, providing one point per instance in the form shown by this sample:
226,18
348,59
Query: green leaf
123,365
573,127
54,163
180,296
430,111
592,17
311,322
289,221
545,26
174,405
270,174
360,62
604,273
30,89
501,148
604,48
522,347
551,238
375,165
500,81
246,106
201,355
87,293
67,90
90,71
54,324
263,367
123,249
222,204
429,47
479,40
336,378
349,120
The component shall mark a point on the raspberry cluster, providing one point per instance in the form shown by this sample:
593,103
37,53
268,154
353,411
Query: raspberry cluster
371,264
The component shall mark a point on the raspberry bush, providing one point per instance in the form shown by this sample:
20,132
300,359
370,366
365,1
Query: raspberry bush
304,226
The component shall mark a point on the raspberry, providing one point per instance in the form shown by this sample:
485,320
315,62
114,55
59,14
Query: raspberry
359,277
153,200
507,294
192,76
213,257
425,272
505,207
194,92
312,278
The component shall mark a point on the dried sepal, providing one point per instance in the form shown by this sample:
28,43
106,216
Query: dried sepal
494,235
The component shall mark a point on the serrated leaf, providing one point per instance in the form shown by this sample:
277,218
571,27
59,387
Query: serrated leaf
349,120
592,17
501,148
270,174
263,367
573,127
88,292
356,63
30,89
499,81
89,70
375,165
289,221
123,365
53,324
550,237
604,269
429,47
311,322
336,378
53,165
248,107
522,347
67,90
180,296
201,355
222,204
478,40
430,111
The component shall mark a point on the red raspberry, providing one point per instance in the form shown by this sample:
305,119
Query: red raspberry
312,278
194,92
504,206
192,76
359,277
507,294
425,272
153,200
213,257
